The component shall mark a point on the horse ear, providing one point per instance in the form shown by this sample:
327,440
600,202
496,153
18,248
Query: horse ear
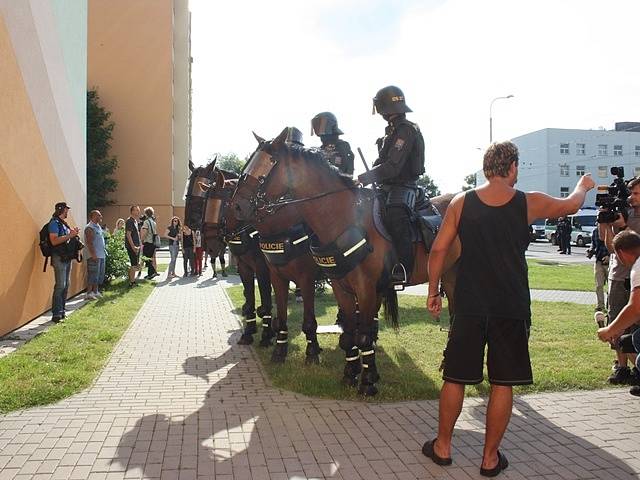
191,166
258,138
213,163
282,137
220,180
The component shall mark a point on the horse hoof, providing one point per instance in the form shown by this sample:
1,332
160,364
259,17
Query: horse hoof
245,340
368,390
265,343
349,381
312,360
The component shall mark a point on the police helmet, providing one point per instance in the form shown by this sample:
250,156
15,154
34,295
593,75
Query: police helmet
390,100
294,136
325,123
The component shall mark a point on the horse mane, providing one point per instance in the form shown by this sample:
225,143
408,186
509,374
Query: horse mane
228,174
316,157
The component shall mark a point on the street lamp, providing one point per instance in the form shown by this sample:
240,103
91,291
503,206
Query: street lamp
491,116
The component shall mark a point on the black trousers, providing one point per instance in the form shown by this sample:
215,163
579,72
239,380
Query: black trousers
398,221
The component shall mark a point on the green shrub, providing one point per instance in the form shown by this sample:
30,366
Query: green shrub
117,263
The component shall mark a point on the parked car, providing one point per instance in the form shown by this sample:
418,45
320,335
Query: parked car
536,230
583,222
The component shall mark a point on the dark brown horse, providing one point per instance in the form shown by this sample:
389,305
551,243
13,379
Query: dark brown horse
206,200
335,209
284,240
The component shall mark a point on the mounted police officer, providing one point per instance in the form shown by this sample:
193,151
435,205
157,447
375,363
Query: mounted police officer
294,136
400,162
338,152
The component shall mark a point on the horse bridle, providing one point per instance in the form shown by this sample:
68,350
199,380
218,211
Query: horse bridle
260,172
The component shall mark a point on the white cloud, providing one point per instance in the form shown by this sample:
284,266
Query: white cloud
265,65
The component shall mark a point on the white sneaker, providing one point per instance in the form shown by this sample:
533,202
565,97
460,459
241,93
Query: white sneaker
600,319
98,294
90,296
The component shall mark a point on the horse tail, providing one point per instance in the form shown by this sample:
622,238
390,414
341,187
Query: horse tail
390,305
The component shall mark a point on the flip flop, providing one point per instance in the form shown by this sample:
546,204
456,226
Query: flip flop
428,451
503,463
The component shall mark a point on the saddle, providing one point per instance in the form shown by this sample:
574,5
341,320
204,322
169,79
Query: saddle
425,222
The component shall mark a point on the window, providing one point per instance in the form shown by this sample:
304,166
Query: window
581,149
580,170
602,150
564,149
564,170
617,150
637,150
636,171
564,192
602,171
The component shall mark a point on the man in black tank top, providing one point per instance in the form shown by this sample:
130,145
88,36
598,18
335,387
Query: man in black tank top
491,295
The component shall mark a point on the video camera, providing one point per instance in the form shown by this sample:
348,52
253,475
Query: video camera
612,199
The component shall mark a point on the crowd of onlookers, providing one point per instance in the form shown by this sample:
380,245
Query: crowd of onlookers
141,242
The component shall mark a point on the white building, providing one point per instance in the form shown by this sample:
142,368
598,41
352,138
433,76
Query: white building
552,159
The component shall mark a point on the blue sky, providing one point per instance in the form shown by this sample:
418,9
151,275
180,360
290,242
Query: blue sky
266,65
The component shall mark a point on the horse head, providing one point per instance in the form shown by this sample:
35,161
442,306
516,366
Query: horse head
280,174
196,193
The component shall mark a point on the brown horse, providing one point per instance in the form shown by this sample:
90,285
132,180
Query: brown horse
336,209
284,241
206,200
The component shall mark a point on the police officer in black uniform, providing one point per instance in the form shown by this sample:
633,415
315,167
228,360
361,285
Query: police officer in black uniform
400,162
338,152
294,136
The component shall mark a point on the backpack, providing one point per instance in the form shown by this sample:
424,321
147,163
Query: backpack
45,244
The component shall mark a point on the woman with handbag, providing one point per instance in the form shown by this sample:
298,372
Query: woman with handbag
173,233
150,242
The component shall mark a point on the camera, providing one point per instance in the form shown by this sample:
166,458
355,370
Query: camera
612,199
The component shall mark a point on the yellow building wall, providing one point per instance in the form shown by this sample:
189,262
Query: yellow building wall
42,159
131,63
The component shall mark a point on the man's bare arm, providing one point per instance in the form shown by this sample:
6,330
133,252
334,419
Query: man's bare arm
629,315
541,205
443,241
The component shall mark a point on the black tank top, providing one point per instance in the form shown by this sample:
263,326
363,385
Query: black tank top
492,275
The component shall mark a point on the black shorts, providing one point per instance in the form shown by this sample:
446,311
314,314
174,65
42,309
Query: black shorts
134,257
508,360
148,249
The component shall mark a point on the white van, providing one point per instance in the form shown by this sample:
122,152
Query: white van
582,225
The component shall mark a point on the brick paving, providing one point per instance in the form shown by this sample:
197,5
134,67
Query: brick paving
179,400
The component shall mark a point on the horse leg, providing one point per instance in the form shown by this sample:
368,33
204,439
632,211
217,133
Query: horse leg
265,308
310,324
281,288
365,339
347,302
249,307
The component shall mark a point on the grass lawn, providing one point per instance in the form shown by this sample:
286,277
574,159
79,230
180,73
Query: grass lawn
67,357
565,353
561,276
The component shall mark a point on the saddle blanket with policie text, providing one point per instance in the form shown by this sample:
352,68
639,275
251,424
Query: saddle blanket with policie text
343,254
280,249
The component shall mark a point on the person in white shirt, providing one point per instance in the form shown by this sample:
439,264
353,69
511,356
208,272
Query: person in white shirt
627,248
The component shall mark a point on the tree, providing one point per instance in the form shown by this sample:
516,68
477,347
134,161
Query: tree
470,182
100,164
229,161
429,186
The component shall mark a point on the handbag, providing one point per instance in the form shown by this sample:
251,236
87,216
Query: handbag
156,237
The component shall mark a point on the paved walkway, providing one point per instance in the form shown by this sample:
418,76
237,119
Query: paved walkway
179,400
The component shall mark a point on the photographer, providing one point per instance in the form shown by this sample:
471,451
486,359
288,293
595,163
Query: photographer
619,273
60,236
626,245
600,270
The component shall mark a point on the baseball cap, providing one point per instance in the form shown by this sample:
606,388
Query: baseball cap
60,206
